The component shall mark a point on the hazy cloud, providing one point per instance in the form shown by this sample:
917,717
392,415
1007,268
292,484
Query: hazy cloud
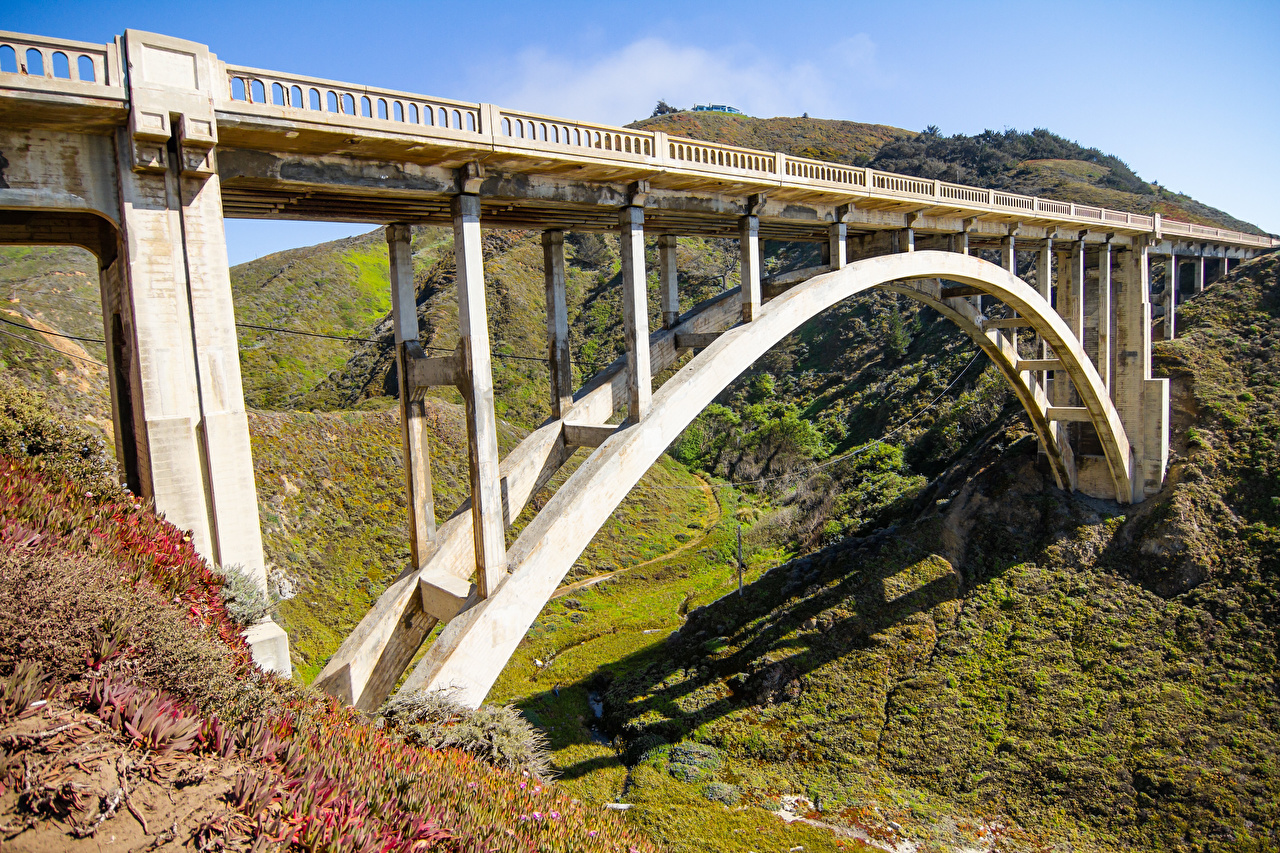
620,87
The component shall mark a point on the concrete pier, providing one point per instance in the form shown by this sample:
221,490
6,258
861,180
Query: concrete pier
557,323
488,521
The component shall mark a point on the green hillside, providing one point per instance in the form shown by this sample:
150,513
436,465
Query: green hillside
933,643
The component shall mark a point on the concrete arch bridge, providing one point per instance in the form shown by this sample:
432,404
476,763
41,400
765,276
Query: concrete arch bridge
137,149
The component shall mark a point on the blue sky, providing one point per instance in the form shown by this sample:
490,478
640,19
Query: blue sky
1187,93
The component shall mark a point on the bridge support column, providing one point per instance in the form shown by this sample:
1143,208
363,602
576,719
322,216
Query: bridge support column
1044,282
668,271
172,319
1105,314
635,312
749,252
837,245
1079,269
1199,273
557,323
413,415
488,527
904,240
1170,297
1141,401
1069,303
1009,255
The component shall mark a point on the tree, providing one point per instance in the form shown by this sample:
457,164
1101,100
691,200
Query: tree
663,109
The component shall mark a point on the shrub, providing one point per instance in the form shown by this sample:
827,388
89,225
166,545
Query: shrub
644,747
498,735
317,776
29,429
691,762
246,602
722,792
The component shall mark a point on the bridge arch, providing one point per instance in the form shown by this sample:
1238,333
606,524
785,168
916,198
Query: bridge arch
474,646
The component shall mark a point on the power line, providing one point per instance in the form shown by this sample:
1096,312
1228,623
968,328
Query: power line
510,356
55,334
46,346
303,334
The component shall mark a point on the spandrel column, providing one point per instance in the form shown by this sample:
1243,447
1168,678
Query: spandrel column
487,520
413,416
749,251
668,272
557,323
635,312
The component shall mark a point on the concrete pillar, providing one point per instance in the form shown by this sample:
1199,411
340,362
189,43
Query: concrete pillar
1069,303
557,323
837,245
1104,314
749,251
960,242
413,415
635,310
174,322
1009,255
488,527
1141,401
905,240
1044,282
1199,272
669,277
1079,268
1170,297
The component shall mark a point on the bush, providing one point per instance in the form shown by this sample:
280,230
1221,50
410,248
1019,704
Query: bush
246,602
722,792
690,762
29,429
498,735
644,747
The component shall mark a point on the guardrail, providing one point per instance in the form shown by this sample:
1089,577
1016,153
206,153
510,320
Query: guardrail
516,129
329,97
39,59
714,156
521,129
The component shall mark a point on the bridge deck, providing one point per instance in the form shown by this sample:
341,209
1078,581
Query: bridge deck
287,144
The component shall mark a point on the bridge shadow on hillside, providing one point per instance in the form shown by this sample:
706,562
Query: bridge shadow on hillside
764,644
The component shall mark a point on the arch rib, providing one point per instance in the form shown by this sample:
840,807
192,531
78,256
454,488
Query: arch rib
475,645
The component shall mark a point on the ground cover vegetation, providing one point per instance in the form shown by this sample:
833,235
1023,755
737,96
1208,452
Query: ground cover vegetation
918,600
131,713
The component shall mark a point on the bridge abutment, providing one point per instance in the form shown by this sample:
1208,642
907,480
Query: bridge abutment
180,397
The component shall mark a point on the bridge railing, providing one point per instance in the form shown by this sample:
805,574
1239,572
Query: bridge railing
36,62
820,173
330,100
516,129
337,103
717,157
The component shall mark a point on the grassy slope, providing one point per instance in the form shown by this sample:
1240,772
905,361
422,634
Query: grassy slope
1010,654
337,288
821,139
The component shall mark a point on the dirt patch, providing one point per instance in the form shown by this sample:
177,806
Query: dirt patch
68,782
